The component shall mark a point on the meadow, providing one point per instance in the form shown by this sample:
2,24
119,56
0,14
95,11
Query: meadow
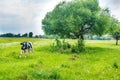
99,61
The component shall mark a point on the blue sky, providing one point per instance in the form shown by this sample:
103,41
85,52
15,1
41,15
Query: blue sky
21,16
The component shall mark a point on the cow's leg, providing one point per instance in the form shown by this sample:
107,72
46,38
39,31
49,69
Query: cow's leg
28,52
25,53
21,53
32,50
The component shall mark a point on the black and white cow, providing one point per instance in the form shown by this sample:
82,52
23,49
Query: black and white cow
26,47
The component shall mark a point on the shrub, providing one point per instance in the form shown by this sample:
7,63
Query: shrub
58,43
74,49
79,47
63,46
115,65
54,75
60,46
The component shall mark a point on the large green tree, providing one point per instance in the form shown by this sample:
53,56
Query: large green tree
76,18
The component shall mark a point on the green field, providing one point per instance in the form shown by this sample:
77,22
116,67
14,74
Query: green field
100,61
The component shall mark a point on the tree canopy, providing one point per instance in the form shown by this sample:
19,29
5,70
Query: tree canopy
76,18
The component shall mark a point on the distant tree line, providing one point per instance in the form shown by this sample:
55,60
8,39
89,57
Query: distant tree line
87,37
30,34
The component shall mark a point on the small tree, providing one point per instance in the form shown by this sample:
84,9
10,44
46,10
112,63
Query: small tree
115,29
31,34
25,35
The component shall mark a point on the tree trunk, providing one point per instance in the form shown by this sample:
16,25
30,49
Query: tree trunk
81,37
116,41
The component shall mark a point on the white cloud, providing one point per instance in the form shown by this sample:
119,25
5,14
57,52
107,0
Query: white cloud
113,5
29,14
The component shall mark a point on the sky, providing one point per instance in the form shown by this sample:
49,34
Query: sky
24,16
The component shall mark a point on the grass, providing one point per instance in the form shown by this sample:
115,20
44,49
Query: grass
100,61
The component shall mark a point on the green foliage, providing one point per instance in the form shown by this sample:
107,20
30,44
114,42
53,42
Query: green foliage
58,43
10,35
78,17
79,47
74,49
102,23
66,45
115,29
30,34
25,35
54,75
115,65
17,35
61,46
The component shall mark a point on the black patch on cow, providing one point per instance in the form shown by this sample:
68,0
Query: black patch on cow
26,45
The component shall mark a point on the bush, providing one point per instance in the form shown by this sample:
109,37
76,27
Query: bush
79,47
63,46
60,46
54,75
74,49
66,45
115,65
58,43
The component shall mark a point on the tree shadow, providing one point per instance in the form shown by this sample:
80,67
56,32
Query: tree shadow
98,50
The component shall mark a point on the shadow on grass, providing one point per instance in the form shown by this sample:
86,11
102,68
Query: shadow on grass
93,50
